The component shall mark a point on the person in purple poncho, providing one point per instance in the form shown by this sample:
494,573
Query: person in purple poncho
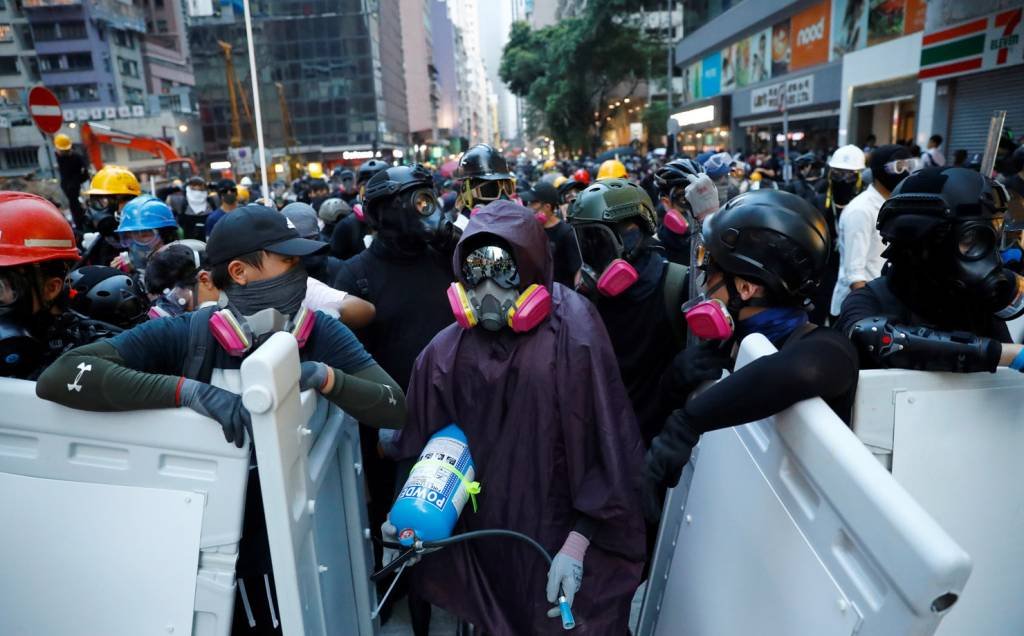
558,461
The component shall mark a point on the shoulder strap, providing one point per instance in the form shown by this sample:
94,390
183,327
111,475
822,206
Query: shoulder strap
199,364
675,278
798,333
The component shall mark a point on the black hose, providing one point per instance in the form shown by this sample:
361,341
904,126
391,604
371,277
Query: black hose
441,543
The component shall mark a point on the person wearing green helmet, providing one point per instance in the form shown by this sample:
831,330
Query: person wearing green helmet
636,290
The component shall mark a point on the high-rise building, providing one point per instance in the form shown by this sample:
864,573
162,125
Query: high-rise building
474,89
494,32
329,91
421,90
165,51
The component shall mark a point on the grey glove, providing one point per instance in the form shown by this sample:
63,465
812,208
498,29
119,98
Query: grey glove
218,404
313,375
566,572
389,534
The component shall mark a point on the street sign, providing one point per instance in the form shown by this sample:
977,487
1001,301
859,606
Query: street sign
44,107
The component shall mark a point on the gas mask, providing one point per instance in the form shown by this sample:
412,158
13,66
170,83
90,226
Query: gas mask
20,352
676,213
978,270
239,334
16,291
411,221
493,299
141,244
606,269
173,302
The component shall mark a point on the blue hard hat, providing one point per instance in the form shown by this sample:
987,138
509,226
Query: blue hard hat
704,156
146,212
718,164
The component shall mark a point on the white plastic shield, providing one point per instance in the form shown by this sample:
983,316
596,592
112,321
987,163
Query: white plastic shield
115,523
790,526
311,478
954,441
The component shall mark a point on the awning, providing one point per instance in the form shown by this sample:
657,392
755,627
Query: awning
777,118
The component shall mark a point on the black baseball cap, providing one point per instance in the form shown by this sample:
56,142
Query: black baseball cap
255,227
226,185
543,192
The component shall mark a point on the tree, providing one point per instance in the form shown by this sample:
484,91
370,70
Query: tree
567,71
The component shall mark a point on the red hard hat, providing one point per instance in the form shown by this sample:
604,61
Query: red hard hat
581,176
32,230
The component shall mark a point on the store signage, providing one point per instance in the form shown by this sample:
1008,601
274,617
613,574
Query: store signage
357,155
693,116
981,44
797,92
105,112
711,75
809,36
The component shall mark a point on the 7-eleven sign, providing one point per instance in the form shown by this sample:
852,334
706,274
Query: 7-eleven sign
981,44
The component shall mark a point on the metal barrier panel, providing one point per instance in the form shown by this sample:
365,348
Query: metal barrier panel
308,454
789,526
954,442
116,523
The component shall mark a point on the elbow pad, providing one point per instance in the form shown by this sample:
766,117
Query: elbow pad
916,347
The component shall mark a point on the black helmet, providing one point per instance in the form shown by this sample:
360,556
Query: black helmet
931,200
676,173
1015,163
772,237
174,264
108,295
614,200
393,181
483,162
370,168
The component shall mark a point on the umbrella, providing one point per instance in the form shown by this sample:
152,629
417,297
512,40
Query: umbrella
448,169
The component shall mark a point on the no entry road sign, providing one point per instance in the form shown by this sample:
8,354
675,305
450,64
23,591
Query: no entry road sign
44,107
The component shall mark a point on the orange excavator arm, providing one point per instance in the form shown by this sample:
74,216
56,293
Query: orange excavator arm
95,135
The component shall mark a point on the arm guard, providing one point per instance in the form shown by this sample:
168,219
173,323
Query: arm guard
371,396
891,345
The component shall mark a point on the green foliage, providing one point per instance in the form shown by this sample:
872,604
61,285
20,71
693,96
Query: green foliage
567,71
656,120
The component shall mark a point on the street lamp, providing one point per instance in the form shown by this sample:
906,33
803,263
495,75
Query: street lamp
183,128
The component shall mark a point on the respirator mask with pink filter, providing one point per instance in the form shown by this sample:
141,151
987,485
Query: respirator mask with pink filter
606,256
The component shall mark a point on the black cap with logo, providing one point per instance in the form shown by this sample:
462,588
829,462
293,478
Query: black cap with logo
255,227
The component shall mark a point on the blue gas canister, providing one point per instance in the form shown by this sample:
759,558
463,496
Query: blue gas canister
437,489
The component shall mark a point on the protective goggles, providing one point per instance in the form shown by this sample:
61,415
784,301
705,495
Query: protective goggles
99,204
599,244
845,176
903,166
13,286
139,237
491,262
488,190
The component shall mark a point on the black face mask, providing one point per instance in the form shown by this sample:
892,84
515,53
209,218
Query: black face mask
842,191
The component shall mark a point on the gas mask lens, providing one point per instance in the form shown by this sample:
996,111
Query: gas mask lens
599,245
424,202
843,176
976,241
9,289
491,262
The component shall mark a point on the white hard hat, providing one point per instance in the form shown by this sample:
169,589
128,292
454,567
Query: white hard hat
246,182
848,157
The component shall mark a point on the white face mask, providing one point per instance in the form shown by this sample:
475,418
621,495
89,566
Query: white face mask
196,199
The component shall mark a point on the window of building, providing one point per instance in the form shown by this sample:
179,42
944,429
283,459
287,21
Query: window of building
161,26
71,30
125,39
12,96
9,65
6,33
128,67
44,32
77,93
23,157
133,96
79,61
158,4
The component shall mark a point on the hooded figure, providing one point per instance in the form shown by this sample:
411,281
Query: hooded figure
551,457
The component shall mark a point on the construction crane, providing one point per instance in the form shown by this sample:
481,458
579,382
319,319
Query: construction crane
286,126
229,72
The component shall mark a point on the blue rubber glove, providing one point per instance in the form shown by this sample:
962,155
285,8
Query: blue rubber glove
566,572
223,406
313,375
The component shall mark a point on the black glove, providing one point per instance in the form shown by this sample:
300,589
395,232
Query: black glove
669,453
698,363
223,406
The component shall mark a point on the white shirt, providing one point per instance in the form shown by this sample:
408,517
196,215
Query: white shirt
322,297
933,157
860,244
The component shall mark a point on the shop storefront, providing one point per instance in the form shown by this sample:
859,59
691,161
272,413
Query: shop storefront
704,126
811,104
969,69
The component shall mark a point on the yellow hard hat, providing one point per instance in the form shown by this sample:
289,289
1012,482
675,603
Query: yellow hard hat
612,169
550,164
756,176
62,141
559,180
114,180
316,170
243,194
